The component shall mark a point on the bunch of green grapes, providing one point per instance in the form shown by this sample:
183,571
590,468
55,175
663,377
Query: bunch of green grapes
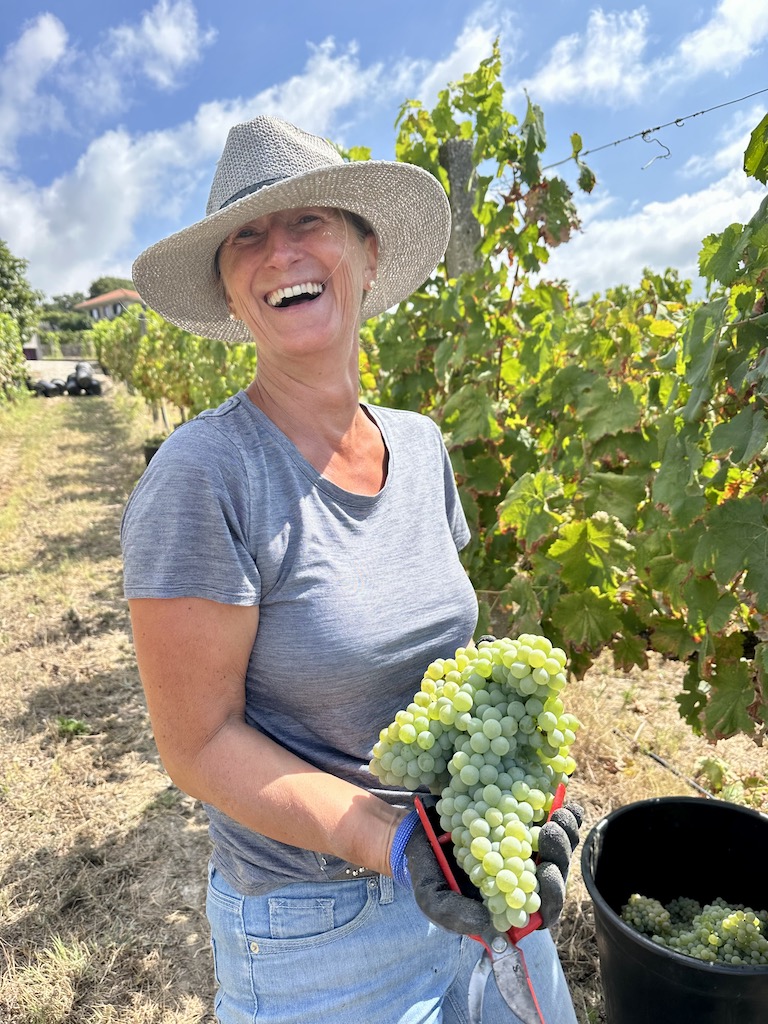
716,932
488,732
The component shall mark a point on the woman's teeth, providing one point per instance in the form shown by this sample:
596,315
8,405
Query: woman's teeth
285,296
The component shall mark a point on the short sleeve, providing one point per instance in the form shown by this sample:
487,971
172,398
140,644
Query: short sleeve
185,528
456,518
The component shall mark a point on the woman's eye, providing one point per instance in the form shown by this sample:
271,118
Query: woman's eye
246,233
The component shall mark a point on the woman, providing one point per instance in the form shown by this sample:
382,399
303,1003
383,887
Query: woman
291,567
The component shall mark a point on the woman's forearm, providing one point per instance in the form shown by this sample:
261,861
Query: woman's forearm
265,787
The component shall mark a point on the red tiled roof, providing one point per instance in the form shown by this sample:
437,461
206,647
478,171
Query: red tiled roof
124,295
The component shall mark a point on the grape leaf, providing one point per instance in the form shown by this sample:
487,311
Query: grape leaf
605,411
586,620
629,651
666,574
469,414
526,615
677,484
526,508
706,604
693,698
721,256
586,178
487,473
592,552
618,494
736,537
732,693
550,205
671,636
700,340
449,353
745,436
663,329
756,153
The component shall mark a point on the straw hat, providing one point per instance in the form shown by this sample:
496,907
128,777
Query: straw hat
270,165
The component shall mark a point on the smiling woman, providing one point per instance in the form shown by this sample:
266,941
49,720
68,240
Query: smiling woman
291,564
290,260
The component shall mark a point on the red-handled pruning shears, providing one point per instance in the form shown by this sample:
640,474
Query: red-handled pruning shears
502,953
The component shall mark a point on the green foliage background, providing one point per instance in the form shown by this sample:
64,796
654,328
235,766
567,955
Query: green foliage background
611,453
169,367
18,316
12,363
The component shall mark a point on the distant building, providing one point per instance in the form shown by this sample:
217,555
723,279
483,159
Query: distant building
32,346
109,305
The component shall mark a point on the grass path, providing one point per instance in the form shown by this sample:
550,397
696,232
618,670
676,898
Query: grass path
102,862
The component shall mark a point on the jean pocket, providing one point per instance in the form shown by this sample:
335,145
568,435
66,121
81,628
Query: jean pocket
305,916
299,918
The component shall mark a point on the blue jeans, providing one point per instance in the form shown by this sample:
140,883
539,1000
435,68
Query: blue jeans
355,952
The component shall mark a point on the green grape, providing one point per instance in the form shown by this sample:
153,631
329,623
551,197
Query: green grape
717,932
487,730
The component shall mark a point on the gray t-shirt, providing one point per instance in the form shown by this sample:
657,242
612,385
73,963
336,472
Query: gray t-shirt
357,594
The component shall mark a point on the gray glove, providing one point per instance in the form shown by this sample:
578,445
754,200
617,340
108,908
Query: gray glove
435,898
414,864
558,838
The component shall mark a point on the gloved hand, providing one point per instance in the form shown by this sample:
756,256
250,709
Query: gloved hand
558,838
413,863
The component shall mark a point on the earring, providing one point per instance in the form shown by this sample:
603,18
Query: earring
232,317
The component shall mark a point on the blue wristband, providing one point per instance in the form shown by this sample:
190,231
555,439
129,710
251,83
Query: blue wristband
397,858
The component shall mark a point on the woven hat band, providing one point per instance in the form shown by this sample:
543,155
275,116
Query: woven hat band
249,190
265,148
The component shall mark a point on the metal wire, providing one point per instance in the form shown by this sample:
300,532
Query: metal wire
646,132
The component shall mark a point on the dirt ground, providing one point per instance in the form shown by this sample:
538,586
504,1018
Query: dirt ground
102,860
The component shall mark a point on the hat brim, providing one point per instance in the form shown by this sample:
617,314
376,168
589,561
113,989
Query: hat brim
406,206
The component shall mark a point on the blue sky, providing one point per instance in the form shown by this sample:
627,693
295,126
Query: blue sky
112,116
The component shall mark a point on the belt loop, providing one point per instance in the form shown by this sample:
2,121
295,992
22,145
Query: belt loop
386,889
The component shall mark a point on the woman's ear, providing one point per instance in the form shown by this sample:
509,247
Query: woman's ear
371,245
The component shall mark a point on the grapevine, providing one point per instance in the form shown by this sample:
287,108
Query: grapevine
488,732
715,933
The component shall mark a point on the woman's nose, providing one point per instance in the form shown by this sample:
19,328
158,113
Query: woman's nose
281,244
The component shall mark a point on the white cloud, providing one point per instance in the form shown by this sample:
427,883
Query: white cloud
611,251
474,44
25,64
43,79
608,62
127,189
733,33
732,142
166,41
161,47
330,82
605,64
85,222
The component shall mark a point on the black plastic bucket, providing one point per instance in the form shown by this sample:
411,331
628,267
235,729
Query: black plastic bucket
665,848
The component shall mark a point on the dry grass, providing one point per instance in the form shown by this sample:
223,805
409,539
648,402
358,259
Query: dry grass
102,860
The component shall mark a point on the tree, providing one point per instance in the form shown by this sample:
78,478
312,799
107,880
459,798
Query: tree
102,285
61,315
17,297
12,363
